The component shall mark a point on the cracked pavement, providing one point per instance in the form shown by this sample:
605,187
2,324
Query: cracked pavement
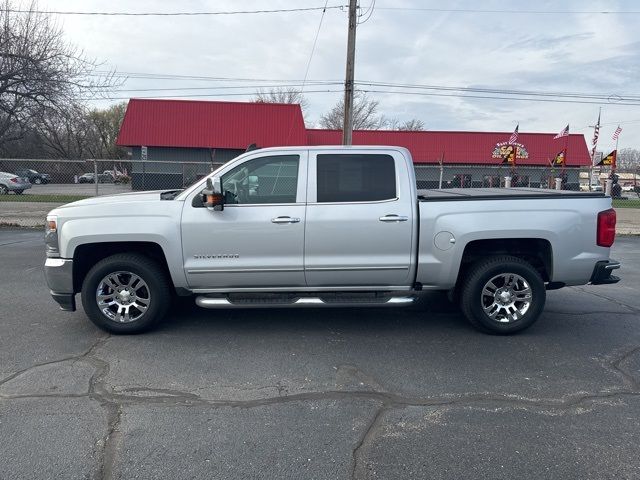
349,393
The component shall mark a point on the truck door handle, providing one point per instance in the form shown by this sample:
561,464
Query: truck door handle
285,220
393,218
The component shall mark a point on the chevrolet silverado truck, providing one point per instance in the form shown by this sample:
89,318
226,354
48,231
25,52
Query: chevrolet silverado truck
325,227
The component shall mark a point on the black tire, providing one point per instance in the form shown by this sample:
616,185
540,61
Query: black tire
3,190
37,181
18,192
473,301
159,291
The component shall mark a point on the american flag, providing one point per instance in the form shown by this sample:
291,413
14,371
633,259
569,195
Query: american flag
596,134
563,133
616,134
514,136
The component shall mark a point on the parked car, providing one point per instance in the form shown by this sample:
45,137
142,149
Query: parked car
33,176
118,177
12,183
90,178
325,227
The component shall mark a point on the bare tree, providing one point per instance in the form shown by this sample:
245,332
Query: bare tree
105,126
39,71
365,114
366,117
628,159
413,125
64,133
79,133
282,95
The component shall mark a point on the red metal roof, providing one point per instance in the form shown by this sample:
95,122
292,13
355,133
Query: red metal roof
206,124
236,125
464,147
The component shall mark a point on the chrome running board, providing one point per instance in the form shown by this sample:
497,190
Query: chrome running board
306,301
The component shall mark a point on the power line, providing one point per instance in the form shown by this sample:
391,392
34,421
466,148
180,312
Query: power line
168,76
367,13
222,87
175,14
493,97
306,71
516,12
610,98
313,48
195,95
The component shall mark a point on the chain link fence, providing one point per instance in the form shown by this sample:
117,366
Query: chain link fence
44,184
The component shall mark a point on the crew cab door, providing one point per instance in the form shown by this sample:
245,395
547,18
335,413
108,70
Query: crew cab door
257,240
361,215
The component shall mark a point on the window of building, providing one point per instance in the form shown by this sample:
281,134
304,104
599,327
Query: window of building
355,178
262,180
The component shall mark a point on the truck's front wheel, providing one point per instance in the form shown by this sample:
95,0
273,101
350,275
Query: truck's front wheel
502,295
126,293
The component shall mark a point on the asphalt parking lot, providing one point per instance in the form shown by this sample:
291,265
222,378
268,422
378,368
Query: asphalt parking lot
319,394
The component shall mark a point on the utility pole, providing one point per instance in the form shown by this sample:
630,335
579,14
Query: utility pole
347,124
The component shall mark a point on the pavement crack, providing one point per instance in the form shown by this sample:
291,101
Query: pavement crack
111,442
81,356
618,366
366,439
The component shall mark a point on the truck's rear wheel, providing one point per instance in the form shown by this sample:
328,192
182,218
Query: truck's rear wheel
502,295
126,293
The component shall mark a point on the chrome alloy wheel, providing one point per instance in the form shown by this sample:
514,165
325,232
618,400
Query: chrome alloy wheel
123,297
506,297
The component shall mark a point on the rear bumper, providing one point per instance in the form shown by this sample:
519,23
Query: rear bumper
59,275
13,187
602,272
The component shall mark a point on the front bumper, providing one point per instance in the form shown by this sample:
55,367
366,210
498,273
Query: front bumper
602,272
59,275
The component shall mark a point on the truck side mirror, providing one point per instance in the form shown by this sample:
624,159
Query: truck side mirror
212,197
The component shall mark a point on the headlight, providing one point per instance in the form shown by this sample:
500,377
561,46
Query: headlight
51,236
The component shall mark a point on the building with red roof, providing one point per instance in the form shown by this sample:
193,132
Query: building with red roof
197,134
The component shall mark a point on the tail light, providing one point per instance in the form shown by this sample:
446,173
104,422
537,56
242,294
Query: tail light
14,180
606,228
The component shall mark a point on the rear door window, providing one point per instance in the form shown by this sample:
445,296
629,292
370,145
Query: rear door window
355,178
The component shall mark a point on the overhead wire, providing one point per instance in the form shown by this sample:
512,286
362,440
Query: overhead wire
174,14
313,49
493,97
506,11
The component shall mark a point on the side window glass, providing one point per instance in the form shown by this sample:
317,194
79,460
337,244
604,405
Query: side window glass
355,178
262,180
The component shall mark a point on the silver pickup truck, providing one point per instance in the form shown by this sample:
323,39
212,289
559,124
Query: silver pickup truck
325,227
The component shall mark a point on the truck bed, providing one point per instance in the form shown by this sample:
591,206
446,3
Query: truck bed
519,193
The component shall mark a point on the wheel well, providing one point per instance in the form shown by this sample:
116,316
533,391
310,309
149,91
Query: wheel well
536,251
87,255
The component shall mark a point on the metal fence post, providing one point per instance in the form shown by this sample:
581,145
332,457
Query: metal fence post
607,188
95,174
507,182
558,183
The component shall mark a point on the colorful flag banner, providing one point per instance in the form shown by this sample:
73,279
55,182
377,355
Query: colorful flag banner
563,133
509,154
559,158
609,159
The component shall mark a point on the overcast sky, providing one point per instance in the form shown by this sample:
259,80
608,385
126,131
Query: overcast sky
562,52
